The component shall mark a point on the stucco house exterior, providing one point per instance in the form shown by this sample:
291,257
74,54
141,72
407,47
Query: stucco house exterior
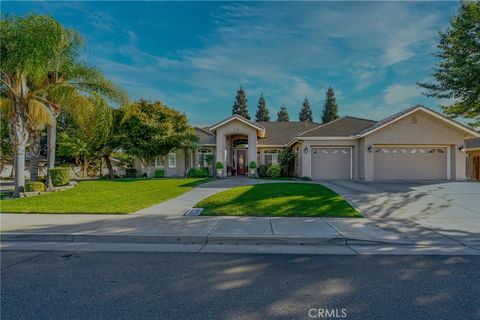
417,143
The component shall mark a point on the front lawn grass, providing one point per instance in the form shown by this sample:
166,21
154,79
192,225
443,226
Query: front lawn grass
278,200
104,196
276,178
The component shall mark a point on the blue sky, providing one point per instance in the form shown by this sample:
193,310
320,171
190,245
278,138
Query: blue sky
194,55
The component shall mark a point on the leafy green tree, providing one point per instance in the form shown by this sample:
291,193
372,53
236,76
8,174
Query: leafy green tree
458,69
240,104
330,109
42,73
283,115
79,137
306,112
262,110
151,129
286,158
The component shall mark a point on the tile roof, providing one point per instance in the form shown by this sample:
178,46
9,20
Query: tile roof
281,133
205,136
343,127
472,143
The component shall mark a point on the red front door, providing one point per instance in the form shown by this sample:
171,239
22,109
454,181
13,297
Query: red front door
241,162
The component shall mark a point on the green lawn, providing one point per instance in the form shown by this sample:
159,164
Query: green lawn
102,196
276,178
278,200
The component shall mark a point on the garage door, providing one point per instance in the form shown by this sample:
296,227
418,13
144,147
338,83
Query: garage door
410,163
331,163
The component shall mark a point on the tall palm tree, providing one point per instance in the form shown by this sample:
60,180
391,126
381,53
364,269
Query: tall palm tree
41,74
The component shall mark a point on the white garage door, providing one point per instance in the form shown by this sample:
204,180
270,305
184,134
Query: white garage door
331,163
410,163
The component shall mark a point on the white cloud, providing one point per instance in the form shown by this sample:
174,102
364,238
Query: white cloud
400,94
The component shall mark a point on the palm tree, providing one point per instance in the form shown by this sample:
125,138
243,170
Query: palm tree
41,74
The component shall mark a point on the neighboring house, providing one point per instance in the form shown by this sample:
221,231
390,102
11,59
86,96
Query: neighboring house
472,148
417,143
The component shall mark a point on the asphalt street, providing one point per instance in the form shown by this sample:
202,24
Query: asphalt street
152,285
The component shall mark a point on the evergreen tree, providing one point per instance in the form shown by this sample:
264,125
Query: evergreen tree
240,104
457,70
306,112
330,109
262,111
283,115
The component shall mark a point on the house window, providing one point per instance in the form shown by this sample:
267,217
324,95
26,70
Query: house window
202,153
259,158
172,160
159,162
270,157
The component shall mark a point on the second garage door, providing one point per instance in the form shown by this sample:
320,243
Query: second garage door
331,163
410,163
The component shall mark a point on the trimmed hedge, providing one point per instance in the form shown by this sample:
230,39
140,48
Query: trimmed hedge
160,173
252,165
262,170
60,176
34,186
198,173
274,170
131,172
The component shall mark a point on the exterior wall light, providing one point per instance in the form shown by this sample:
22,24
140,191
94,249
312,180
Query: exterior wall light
370,149
305,149
461,148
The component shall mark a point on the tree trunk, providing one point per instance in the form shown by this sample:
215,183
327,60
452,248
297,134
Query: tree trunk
19,137
34,154
108,162
52,140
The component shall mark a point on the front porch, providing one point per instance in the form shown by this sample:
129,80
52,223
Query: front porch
236,140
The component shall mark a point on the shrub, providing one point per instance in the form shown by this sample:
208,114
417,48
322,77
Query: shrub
252,165
198,173
218,165
145,175
36,186
209,159
60,176
286,159
262,170
131,172
206,171
274,170
160,173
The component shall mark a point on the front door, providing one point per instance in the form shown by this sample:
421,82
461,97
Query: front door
241,162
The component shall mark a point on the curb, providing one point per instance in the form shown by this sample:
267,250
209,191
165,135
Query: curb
202,239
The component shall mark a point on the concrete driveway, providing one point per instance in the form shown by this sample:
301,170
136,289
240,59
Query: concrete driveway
449,208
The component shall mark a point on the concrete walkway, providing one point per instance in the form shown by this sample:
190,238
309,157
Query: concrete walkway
179,205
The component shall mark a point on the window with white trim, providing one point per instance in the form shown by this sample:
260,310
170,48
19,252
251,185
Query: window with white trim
159,162
172,160
201,154
270,157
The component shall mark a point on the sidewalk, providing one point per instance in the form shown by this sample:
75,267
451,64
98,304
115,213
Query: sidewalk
156,229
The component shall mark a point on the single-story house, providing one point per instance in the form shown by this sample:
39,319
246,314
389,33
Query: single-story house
472,148
417,143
